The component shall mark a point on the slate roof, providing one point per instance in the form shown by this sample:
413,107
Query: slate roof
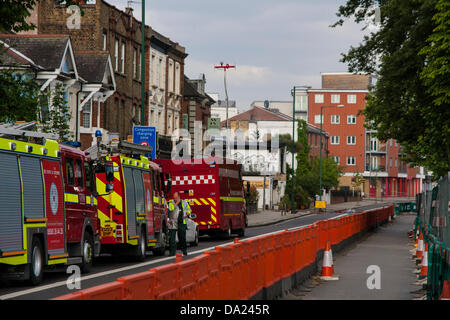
91,65
44,50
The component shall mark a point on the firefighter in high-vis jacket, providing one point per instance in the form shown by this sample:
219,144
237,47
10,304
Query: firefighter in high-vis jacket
178,211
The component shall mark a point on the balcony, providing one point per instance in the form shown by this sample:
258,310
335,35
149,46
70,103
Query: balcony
375,168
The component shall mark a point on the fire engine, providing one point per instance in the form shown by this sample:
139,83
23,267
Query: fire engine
214,189
133,216
48,212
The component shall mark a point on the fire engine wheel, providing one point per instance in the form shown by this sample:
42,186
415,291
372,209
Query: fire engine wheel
88,252
141,248
37,262
228,232
162,249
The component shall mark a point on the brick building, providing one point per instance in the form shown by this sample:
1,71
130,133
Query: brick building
355,148
103,27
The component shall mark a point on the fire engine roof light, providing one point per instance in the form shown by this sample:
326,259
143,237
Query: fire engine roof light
30,148
44,151
98,134
13,146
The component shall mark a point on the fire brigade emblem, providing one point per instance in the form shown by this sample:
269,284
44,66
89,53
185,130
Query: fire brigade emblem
54,198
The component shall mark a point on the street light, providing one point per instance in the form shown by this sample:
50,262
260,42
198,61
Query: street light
321,146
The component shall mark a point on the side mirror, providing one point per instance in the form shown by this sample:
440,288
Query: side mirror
193,216
109,188
109,171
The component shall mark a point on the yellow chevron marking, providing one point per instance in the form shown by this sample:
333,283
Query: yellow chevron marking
204,201
212,201
203,223
213,210
214,218
197,202
114,198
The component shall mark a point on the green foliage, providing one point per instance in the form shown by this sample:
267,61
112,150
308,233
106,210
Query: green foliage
59,115
410,52
19,96
287,140
304,184
13,14
251,197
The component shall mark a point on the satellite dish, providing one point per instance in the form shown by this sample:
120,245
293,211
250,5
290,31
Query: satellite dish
266,104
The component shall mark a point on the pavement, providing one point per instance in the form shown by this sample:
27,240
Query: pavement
268,217
387,248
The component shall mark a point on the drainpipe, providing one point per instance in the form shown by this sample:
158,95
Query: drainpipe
77,114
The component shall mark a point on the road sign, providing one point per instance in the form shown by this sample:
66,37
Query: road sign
145,136
362,180
214,123
321,204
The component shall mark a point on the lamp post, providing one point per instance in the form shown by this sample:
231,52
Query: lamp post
321,147
143,66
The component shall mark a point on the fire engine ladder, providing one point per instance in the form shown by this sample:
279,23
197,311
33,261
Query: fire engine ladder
20,131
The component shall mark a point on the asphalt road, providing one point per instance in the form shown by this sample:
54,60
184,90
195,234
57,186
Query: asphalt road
107,268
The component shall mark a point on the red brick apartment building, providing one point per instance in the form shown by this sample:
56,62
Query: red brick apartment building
355,148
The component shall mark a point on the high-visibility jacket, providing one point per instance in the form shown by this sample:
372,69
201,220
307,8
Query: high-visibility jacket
186,208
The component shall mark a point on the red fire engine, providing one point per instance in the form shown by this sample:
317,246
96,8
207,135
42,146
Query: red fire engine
48,215
214,189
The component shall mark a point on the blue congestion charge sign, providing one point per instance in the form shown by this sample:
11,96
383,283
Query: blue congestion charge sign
145,136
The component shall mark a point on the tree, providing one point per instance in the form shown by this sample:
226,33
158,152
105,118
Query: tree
13,15
410,53
20,96
58,115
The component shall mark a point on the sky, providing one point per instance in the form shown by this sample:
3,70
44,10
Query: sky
275,44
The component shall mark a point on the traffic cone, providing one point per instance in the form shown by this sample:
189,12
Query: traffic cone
419,251
327,264
424,270
445,295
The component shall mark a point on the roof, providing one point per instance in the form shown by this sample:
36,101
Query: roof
37,48
260,114
190,92
91,65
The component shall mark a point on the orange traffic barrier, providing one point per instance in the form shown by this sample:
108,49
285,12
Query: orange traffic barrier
242,269
108,291
167,282
236,252
214,285
202,277
188,279
225,272
139,286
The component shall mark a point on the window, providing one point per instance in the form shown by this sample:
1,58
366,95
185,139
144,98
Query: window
390,162
169,123
373,144
335,98
351,119
122,58
79,174
396,162
158,72
351,161
351,99
335,119
87,109
104,41
351,140
116,55
70,177
335,140
177,78
134,63
301,103
317,119
90,184
337,159
170,76
153,70
318,98
152,117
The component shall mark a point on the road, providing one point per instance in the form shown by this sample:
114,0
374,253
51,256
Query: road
107,268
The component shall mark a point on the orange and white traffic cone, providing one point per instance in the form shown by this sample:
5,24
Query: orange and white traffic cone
424,270
445,294
327,264
419,251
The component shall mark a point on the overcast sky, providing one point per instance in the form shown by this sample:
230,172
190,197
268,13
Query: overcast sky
275,44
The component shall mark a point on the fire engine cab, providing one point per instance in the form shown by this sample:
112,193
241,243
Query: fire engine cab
214,189
48,212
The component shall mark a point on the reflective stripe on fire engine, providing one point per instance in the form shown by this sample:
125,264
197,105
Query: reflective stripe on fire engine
232,199
71,197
